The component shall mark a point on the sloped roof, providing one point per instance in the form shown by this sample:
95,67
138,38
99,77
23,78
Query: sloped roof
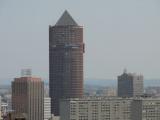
66,19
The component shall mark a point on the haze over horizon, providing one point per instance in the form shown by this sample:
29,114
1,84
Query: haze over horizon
117,35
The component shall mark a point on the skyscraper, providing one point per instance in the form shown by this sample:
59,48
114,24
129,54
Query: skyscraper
66,50
130,85
28,97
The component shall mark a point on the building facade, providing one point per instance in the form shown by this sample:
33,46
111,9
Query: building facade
146,109
130,85
66,50
47,108
110,108
4,108
16,116
95,109
28,97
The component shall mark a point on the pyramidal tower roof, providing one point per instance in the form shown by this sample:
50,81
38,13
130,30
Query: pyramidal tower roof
66,19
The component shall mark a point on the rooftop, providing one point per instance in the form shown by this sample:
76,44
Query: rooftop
66,19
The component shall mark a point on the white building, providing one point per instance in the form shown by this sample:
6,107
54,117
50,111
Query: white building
9,102
47,108
4,108
100,108
95,109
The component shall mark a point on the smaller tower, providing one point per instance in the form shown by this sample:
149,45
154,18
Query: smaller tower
130,84
28,96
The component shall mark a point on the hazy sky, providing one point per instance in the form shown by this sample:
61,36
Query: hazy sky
118,34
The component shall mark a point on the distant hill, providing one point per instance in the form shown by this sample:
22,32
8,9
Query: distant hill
100,82
103,82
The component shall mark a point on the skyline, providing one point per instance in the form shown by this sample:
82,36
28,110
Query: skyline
127,34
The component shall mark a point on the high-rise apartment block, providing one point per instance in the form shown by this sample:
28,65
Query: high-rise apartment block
28,97
66,50
130,85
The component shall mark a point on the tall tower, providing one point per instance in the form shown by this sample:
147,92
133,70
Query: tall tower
130,85
28,97
66,50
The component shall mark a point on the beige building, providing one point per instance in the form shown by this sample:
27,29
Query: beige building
95,109
28,97
110,92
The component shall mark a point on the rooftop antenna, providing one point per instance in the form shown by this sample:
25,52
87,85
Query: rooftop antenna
125,70
26,72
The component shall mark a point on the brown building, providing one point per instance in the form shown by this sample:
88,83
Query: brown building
28,97
66,50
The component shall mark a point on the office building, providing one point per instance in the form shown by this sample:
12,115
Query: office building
66,50
130,85
28,97
47,108
96,109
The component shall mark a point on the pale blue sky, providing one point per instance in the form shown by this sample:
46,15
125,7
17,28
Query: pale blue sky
117,34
